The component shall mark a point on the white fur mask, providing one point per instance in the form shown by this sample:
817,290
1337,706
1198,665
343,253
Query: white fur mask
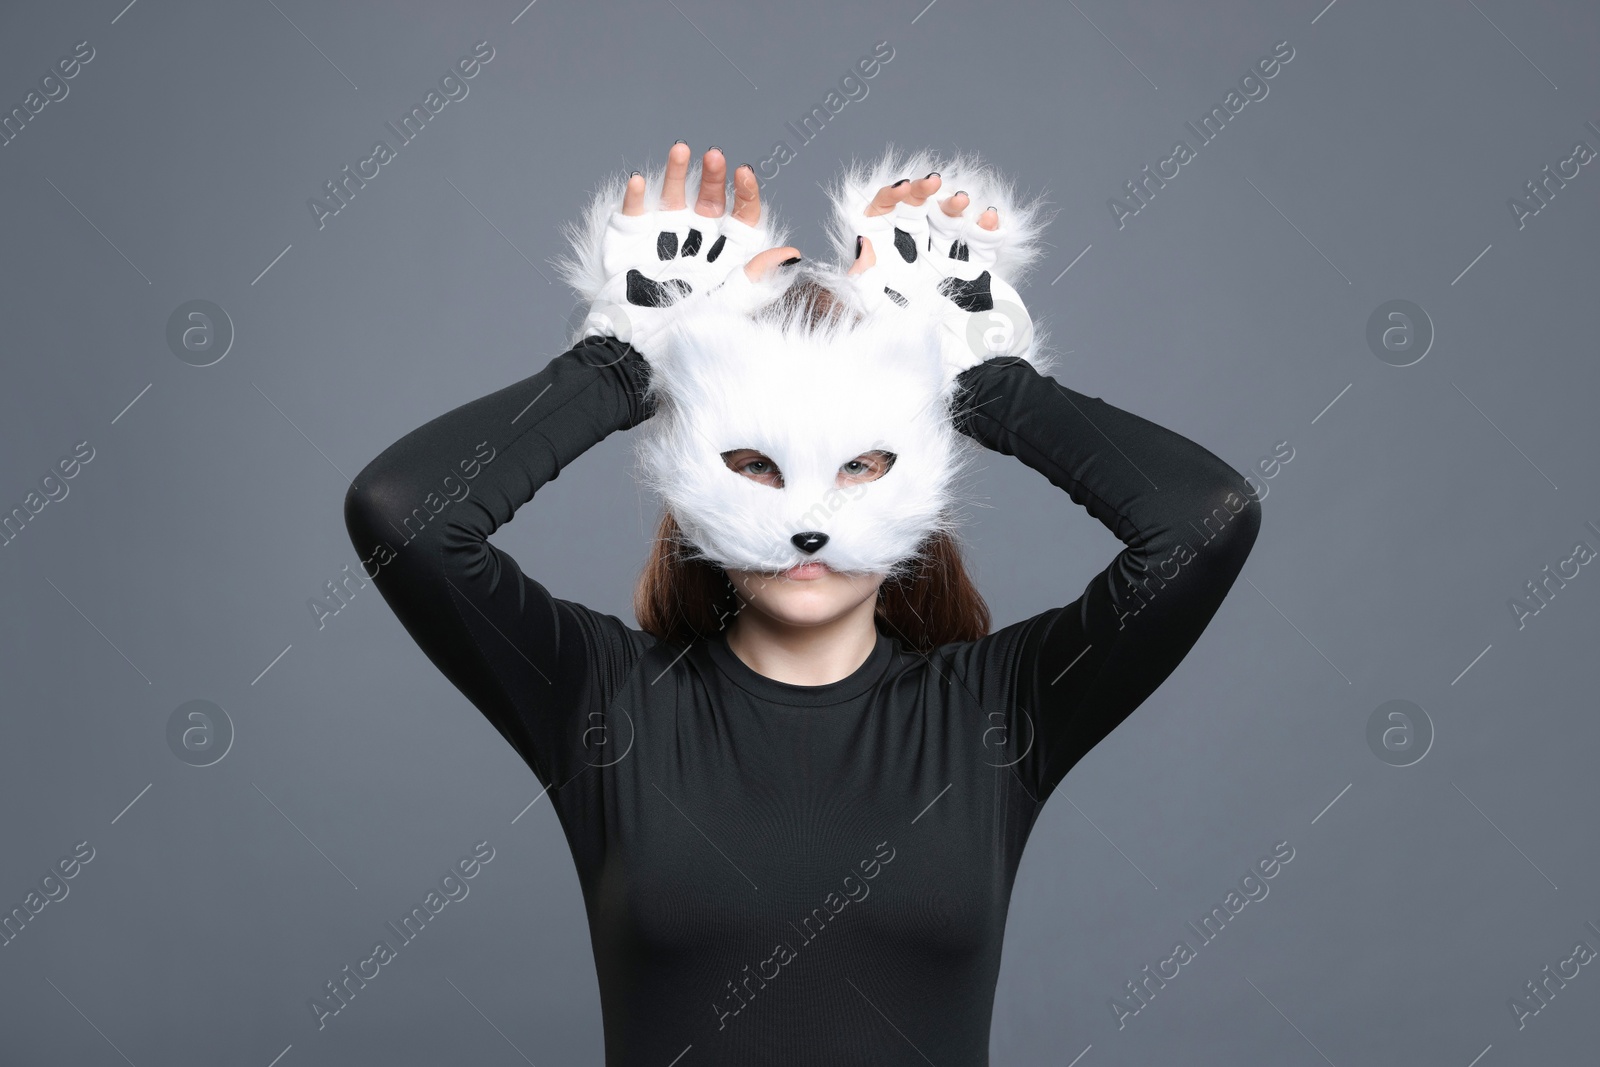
811,400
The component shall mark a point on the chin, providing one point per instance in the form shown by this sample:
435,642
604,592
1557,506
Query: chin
806,602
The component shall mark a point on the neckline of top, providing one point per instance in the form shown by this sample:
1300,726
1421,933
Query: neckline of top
770,689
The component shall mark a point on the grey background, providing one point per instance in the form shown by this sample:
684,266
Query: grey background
1232,308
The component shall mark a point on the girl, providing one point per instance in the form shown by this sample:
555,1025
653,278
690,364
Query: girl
798,792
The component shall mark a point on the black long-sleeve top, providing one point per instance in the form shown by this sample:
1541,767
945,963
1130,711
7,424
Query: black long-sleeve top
776,873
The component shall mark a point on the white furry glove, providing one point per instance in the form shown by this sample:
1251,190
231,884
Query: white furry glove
948,267
926,260
659,265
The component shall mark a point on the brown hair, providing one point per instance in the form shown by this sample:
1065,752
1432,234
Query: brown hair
928,602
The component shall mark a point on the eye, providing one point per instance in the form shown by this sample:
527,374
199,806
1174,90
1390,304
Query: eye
867,467
754,465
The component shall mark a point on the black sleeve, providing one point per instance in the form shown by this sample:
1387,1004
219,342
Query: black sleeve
1066,678
420,516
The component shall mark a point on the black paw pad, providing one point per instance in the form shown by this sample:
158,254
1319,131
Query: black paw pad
896,297
969,296
905,245
716,249
647,292
959,250
691,244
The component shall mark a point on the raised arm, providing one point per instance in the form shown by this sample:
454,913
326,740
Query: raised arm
1065,678
421,513
1072,674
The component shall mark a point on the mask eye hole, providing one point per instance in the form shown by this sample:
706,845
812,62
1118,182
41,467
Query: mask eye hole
755,465
867,467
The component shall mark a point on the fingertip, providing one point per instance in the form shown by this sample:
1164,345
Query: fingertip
762,263
866,258
633,195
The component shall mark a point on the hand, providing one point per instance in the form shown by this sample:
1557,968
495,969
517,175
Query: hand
938,257
658,263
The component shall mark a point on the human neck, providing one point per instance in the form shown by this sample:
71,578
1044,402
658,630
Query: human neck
804,655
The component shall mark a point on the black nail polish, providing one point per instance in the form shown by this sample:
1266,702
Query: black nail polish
791,261
746,166
680,141
858,246
635,174
933,174
714,146
960,192
991,207
899,183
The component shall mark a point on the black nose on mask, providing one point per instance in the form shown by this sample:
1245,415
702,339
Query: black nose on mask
810,541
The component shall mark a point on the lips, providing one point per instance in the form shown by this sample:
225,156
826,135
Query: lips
806,571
